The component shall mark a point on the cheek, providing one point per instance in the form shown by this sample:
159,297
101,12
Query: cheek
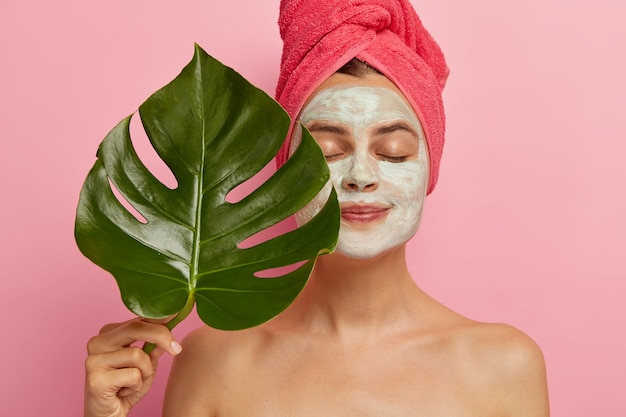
338,171
296,138
314,206
405,183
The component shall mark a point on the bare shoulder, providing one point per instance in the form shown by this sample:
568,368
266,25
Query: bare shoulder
203,369
504,361
502,345
210,349
205,341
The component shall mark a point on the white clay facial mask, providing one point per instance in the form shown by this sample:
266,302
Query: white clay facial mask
375,149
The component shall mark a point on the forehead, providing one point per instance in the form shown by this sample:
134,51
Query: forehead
361,104
345,81
358,101
368,80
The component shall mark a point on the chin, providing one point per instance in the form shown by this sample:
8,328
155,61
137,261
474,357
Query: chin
362,253
357,255
369,244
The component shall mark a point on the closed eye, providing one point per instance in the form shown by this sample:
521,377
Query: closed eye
394,159
331,138
333,157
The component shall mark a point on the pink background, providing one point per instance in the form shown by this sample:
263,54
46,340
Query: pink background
526,225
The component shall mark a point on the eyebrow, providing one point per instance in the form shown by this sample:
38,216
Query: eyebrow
322,127
394,127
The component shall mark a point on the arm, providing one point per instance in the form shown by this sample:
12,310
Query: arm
521,386
531,397
118,375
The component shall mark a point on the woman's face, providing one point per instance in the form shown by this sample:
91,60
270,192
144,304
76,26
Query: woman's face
375,149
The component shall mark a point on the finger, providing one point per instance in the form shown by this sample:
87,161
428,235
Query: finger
132,357
130,332
112,326
155,355
124,392
107,384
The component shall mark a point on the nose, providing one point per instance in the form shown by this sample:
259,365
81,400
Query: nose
363,175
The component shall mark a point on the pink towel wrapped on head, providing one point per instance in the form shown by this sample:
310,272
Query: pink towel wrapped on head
320,36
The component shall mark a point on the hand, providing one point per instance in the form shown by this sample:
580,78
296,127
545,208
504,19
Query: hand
118,375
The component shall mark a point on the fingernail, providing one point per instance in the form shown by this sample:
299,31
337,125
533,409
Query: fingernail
176,347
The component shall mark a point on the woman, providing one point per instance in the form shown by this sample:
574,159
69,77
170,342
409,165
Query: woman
362,338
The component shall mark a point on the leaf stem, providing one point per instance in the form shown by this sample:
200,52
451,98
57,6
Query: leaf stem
182,315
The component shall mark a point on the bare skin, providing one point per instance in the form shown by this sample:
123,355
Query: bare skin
362,339
118,373
366,347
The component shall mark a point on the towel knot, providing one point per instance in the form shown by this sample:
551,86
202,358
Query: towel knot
369,16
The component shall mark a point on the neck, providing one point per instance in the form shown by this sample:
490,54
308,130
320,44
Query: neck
367,296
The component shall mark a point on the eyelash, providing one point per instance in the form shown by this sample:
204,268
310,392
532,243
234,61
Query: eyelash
332,156
393,159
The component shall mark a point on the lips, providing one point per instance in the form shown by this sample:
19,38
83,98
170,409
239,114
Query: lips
363,212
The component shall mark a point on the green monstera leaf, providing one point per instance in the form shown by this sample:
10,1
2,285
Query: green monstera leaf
214,130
